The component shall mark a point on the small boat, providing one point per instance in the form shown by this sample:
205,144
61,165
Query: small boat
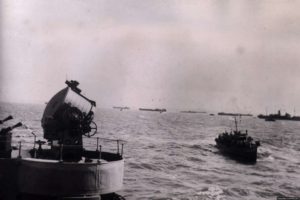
238,145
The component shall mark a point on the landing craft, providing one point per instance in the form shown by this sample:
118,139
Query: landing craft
238,145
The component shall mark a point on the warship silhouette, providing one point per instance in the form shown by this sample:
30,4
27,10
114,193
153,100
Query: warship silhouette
234,114
279,116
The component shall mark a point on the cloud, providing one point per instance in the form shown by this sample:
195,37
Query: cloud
206,54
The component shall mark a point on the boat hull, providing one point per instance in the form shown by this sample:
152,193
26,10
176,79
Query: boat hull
28,178
239,154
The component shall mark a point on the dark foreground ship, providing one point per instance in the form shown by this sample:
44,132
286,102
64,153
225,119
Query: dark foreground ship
238,145
63,167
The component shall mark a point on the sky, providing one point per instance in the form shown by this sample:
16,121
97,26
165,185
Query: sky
230,55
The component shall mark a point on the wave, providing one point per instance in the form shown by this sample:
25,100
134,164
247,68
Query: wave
172,156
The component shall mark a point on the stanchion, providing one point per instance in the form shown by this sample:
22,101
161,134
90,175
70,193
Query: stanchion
122,149
20,148
61,153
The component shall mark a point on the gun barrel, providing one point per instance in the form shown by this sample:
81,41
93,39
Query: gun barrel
8,129
6,119
16,125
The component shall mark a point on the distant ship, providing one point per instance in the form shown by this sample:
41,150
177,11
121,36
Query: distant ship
234,114
238,145
191,111
121,108
278,116
155,110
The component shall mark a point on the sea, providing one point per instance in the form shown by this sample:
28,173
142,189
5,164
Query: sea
173,156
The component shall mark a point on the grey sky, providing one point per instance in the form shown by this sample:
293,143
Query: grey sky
230,55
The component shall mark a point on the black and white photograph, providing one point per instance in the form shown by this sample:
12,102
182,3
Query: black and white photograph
149,100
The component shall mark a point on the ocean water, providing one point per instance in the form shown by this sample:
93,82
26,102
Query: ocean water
173,155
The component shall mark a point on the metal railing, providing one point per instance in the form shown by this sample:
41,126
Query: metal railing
95,145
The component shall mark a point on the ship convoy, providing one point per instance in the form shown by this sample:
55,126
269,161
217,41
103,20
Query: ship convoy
62,167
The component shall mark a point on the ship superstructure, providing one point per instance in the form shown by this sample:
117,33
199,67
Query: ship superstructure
60,166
